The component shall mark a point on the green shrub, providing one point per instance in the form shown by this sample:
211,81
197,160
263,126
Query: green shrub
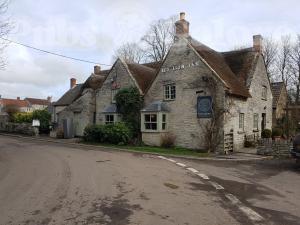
44,117
117,133
22,117
266,133
277,132
94,133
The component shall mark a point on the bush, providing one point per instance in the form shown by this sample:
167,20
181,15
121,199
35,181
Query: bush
117,133
167,140
22,117
277,132
44,117
266,133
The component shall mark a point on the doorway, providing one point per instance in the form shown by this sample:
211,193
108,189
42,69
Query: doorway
263,121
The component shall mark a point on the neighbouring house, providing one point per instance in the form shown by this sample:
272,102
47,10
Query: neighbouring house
192,78
38,104
122,75
25,105
280,99
14,105
78,104
294,118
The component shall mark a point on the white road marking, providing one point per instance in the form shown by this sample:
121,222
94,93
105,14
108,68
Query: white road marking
161,157
203,176
251,213
171,160
181,164
234,200
216,185
192,170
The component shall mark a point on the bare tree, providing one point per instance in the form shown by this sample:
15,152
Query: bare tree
159,39
130,52
5,27
295,67
283,60
270,50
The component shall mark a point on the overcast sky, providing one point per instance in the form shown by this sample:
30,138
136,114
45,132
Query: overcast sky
93,29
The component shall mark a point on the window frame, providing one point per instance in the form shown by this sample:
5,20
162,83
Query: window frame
168,89
264,92
255,121
113,121
242,121
113,94
151,122
161,122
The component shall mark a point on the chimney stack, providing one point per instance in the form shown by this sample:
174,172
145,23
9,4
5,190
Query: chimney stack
49,99
18,98
258,43
182,26
72,83
97,69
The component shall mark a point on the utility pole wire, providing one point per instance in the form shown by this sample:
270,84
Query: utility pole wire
53,53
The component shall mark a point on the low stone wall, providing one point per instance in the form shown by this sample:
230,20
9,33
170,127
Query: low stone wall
279,148
20,128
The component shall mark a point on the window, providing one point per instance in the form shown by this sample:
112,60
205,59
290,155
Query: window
150,121
264,93
164,122
113,95
109,119
241,121
170,91
255,121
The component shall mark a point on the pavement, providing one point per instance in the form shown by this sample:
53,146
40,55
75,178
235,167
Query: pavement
56,183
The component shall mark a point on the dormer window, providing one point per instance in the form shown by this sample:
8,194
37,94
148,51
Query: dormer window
170,92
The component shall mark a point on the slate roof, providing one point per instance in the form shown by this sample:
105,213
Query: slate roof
217,61
144,74
14,102
276,88
37,101
95,81
70,96
156,106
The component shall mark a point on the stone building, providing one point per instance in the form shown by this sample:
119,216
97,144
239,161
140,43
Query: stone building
78,103
122,75
280,98
38,104
194,80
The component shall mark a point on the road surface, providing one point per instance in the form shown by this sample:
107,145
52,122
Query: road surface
47,184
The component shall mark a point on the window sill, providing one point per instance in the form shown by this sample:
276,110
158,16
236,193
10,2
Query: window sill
264,99
169,100
255,131
154,131
241,132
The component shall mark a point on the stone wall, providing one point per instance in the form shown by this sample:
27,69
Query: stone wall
120,75
20,128
182,118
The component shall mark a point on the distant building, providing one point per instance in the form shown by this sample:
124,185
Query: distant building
280,98
25,105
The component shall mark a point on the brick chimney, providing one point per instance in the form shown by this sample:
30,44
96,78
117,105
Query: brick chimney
97,69
182,26
72,83
258,43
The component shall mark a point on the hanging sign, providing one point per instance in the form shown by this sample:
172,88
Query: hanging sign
204,107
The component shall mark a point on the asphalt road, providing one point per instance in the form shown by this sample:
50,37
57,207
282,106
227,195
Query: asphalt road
45,183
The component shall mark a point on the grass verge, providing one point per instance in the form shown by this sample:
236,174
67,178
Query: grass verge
158,150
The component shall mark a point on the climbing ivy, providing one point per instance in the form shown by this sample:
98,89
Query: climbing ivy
129,104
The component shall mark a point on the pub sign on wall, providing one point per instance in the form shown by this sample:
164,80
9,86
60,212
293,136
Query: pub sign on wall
204,107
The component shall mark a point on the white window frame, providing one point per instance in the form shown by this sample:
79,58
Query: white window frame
151,121
170,91
109,121
161,122
241,121
255,121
